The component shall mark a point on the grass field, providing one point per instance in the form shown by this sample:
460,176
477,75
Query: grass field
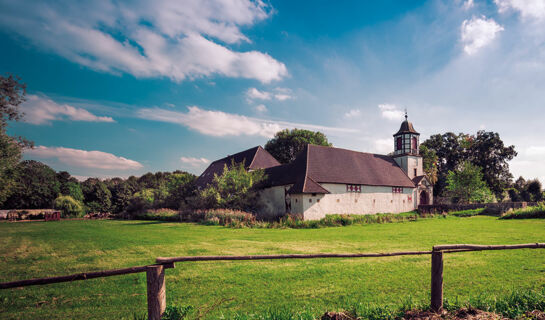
38,249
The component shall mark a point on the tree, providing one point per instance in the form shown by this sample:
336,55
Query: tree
233,189
180,186
429,163
466,185
35,186
12,94
97,196
69,206
485,150
286,144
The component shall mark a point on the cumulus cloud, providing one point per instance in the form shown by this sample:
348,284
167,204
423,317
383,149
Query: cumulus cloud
194,162
478,33
42,110
163,38
468,4
219,123
280,94
354,113
261,108
527,8
84,158
390,112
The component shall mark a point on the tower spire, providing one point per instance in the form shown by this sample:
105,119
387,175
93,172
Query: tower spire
406,116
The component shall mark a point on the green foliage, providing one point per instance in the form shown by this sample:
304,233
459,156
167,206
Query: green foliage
69,206
485,150
98,197
35,186
467,213
535,212
429,163
180,186
466,185
173,312
286,144
233,189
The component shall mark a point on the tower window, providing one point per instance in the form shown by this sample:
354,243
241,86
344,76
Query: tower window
414,143
415,172
398,143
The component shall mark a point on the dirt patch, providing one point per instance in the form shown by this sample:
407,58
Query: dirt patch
463,313
337,316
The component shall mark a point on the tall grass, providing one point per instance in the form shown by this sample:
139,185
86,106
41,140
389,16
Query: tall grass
535,212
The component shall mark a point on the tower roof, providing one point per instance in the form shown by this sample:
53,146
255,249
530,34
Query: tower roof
406,127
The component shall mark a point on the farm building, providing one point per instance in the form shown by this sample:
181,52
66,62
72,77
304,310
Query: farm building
327,180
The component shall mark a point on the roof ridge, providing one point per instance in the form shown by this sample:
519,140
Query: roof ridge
255,156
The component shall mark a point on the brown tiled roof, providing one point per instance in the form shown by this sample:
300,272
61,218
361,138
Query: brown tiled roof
254,158
406,127
318,164
417,180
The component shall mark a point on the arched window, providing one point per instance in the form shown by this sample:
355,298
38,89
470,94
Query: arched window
413,143
398,143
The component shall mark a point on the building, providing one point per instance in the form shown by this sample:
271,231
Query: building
327,180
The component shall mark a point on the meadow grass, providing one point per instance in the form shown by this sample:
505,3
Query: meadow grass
232,289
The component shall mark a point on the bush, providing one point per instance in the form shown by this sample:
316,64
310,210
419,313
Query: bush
468,213
535,212
69,206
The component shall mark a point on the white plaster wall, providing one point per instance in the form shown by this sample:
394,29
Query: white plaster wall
272,202
372,199
409,163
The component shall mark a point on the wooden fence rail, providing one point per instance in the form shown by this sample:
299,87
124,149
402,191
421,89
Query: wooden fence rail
155,273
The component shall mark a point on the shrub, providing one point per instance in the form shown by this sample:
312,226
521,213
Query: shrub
468,213
69,206
535,212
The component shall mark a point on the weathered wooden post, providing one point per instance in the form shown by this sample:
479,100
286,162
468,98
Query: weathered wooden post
437,281
156,292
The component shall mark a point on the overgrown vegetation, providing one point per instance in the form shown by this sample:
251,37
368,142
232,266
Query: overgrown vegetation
465,184
535,212
467,213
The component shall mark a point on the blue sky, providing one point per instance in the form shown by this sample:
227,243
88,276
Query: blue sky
119,88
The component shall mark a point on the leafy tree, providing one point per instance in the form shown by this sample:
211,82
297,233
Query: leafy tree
97,196
429,158
69,206
485,150
286,144
35,186
180,186
466,185
122,191
534,189
12,94
233,189
70,186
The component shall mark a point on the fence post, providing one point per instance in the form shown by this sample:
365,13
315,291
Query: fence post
156,292
437,281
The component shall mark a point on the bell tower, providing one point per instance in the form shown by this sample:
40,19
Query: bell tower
406,149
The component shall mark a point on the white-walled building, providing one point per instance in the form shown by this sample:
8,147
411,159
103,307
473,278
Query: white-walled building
326,180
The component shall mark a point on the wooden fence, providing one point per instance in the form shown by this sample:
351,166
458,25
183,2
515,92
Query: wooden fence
156,284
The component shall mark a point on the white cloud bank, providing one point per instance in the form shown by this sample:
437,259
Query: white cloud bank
390,112
527,8
478,33
280,94
194,162
163,38
42,110
84,158
219,123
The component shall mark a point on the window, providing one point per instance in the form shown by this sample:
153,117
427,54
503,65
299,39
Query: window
317,200
415,172
398,143
314,194
413,143
353,188
309,200
397,190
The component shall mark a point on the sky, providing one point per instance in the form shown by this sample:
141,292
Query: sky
120,88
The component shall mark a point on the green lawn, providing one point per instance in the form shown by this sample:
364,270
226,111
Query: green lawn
39,249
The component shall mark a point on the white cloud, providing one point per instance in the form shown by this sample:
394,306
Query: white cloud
354,113
194,162
535,151
84,158
280,94
173,39
478,33
383,146
390,112
526,8
219,123
468,4
42,110
261,108
254,94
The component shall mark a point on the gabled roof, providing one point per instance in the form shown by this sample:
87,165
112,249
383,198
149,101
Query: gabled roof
318,164
417,180
254,158
406,127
